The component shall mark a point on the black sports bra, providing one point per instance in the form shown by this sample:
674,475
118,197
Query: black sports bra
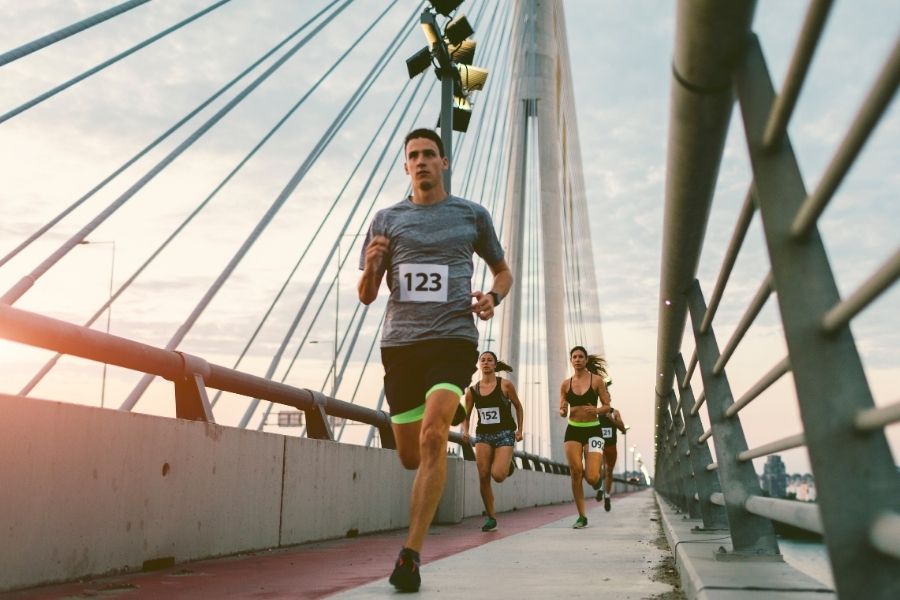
588,398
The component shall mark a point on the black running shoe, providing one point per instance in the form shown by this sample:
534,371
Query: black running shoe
607,505
406,576
600,495
459,416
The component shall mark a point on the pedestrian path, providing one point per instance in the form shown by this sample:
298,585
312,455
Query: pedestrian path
619,555
534,554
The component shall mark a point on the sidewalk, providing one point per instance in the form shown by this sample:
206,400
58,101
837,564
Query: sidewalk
617,556
534,554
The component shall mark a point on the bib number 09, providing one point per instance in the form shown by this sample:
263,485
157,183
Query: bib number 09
595,444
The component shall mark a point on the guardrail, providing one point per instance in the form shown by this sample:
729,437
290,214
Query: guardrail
192,375
717,57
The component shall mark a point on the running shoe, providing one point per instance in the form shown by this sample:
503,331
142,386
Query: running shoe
600,494
406,576
490,524
607,505
581,523
460,415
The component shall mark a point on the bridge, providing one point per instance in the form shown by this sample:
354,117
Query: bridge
185,184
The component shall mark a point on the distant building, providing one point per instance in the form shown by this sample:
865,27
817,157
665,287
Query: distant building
774,477
801,487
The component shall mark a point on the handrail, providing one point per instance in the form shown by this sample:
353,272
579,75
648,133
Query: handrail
885,534
786,443
804,515
842,428
876,418
813,25
67,338
774,374
874,106
871,288
753,310
734,247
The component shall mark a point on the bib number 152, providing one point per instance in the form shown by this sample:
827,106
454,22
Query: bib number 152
423,283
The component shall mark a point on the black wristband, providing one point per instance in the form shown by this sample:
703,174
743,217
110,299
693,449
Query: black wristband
496,297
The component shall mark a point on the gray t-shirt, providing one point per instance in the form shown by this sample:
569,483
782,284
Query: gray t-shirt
429,267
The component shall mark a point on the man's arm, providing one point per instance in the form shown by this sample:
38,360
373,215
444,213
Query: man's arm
373,272
503,279
484,302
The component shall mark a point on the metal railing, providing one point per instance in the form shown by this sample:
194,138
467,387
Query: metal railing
192,376
718,59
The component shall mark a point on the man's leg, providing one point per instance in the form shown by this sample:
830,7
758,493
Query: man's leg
432,474
609,457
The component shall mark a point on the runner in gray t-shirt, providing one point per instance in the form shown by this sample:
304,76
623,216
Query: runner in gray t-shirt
425,245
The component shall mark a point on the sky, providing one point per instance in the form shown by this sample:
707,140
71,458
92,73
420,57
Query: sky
621,55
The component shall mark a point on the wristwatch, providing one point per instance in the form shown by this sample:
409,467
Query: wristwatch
496,297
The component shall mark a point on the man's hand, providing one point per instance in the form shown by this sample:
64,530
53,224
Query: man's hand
483,305
373,269
376,251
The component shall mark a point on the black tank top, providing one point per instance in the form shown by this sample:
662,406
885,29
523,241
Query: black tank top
607,429
588,398
494,413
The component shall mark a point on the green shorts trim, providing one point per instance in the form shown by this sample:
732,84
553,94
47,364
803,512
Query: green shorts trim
444,386
583,424
418,413
410,416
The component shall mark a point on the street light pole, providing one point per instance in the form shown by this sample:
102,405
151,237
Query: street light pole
112,269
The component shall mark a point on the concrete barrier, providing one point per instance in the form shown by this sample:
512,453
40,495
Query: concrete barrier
88,491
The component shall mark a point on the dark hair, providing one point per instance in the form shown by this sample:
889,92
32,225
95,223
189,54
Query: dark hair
501,366
594,364
428,134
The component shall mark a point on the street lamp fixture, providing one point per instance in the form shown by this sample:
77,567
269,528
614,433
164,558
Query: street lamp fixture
448,51
445,7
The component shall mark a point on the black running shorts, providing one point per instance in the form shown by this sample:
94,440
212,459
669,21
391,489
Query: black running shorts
410,371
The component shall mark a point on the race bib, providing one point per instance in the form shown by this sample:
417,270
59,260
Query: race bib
606,432
595,444
423,283
489,416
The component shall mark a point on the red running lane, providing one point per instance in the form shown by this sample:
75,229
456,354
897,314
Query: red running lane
313,570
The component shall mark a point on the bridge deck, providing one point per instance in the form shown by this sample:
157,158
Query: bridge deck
534,554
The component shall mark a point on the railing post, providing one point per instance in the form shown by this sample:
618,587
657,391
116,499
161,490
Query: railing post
191,400
856,478
673,481
707,482
751,535
688,484
317,426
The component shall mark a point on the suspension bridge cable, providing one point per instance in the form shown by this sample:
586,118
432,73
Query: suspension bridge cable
314,235
63,86
52,362
366,363
493,61
505,134
254,403
279,202
61,34
47,226
376,70
28,281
